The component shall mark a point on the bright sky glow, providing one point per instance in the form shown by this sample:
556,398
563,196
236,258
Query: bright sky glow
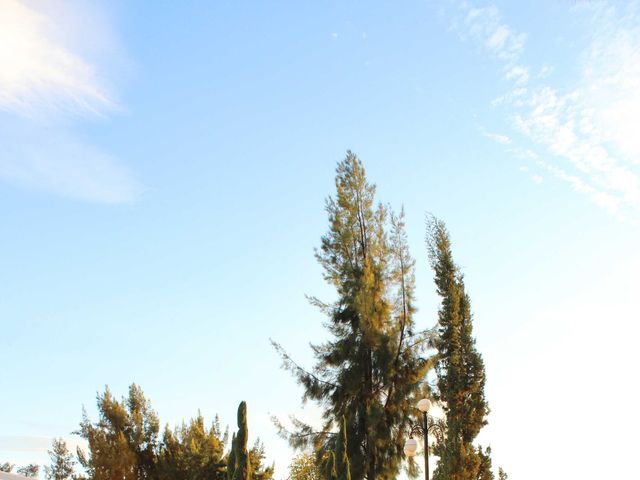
163,170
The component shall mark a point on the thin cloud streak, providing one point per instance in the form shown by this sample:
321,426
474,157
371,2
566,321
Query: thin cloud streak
62,164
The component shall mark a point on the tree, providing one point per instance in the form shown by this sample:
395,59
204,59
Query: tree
62,462
192,451
231,459
242,469
502,474
30,470
124,441
459,367
343,470
257,456
484,468
6,467
372,369
304,467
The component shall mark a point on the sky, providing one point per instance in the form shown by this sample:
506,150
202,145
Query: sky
163,172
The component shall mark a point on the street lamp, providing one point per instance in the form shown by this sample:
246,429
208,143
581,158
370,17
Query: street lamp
411,445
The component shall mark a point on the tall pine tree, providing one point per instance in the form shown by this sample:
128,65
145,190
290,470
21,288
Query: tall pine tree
459,367
372,369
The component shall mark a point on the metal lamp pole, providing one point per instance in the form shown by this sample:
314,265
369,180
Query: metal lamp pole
411,446
426,446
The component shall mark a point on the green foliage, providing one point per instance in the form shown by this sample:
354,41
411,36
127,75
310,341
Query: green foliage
124,441
192,451
304,467
62,462
342,468
484,469
372,370
6,467
124,444
242,469
30,470
459,367
259,471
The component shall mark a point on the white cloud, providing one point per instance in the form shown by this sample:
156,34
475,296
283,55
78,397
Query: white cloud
587,128
485,28
517,73
545,71
497,137
593,126
39,74
62,164
47,83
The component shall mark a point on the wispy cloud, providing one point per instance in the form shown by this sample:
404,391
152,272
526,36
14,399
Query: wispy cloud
497,137
485,28
587,128
39,74
46,87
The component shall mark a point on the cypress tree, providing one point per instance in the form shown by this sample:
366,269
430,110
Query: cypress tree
484,469
231,459
242,469
459,367
371,371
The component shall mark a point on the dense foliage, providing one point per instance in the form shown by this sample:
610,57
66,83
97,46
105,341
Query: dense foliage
304,467
459,367
373,369
124,443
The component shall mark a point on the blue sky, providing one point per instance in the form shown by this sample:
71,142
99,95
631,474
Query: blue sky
163,170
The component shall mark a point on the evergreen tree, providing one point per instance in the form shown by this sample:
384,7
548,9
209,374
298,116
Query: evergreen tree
30,470
192,451
123,443
484,469
304,467
231,459
371,371
257,456
502,474
459,368
343,470
242,469
62,462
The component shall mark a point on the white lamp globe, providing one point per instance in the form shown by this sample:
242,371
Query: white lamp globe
410,447
424,405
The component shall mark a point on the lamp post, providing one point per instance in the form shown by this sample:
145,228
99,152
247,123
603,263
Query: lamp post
411,445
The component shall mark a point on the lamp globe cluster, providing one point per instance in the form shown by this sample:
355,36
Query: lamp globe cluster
411,445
